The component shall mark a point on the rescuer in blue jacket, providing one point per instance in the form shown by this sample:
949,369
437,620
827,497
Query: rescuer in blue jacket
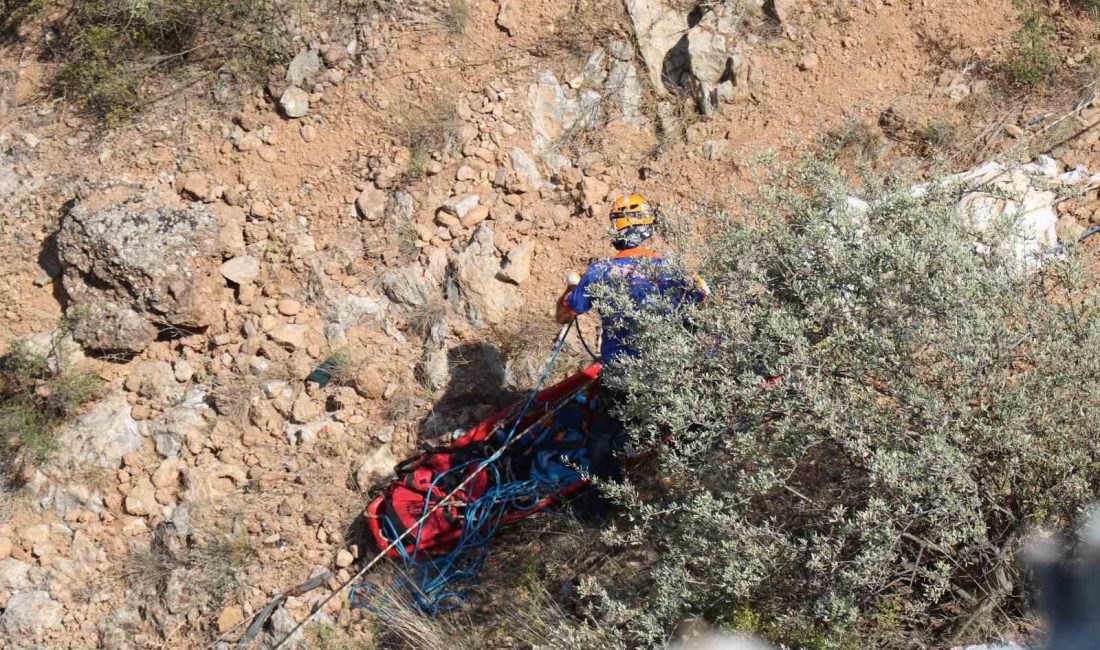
647,276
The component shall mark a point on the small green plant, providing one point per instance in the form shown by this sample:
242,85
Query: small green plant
1090,7
456,17
328,636
1033,58
937,136
424,128
14,12
37,397
856,135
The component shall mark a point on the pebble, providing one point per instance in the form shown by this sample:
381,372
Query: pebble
809,62
288,307
344,558
268,154
308,132
230,618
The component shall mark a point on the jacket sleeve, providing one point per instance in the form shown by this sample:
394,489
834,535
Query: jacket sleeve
579,301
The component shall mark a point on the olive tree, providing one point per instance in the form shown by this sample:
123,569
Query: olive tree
849,440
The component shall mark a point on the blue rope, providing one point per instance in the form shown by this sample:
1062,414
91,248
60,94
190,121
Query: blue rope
435,583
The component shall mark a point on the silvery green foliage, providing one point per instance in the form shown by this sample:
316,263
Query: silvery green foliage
859,427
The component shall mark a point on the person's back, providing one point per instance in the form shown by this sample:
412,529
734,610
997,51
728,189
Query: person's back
644,276
640,271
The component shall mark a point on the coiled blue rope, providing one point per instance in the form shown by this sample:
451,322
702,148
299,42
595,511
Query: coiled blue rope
435,583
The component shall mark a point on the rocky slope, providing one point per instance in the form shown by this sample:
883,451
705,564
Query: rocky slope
403,202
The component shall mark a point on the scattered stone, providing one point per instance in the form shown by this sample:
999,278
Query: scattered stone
809,62
294,102
288,307
30,614
182,371
305,409
241,270
195,186
459,206
1014,131
375,467
593,193
475,216
716,149
369,383
344,558
303,67
406,285
371,204
5,548
517,265
308,132
508,16
141,500
229,618
781,10
291,337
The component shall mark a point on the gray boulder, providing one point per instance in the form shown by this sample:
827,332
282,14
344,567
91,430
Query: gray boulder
128,258
29,614
487,299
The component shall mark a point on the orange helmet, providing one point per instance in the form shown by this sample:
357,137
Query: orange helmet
632,219
630,210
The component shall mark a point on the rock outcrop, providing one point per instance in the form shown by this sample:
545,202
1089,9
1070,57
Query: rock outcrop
487,298
135,266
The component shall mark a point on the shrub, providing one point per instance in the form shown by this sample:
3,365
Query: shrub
1033,58
861,425
109,50
938,135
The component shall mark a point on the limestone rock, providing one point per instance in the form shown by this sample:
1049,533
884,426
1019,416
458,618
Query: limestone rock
127,256
488,300
517,265
103,435
172,428
371,204
294,102
658,27
141,500
14,575
553,114
526,168
30,613
241,270
406,286
303,67
375,467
